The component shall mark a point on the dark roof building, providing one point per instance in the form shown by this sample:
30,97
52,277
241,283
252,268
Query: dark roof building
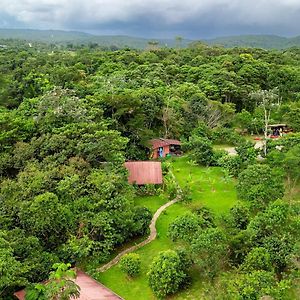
144,172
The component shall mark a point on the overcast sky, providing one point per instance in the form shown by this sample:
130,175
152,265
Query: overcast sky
193,19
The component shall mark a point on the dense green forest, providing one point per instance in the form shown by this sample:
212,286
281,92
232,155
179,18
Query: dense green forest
75,38
70,118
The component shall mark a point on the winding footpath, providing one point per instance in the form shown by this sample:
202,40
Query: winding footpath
151,237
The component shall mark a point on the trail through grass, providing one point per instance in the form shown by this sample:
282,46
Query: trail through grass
209,188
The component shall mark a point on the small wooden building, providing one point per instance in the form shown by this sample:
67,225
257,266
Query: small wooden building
164,147
144,172
277,130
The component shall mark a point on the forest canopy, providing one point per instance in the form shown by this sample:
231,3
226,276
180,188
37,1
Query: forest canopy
70,118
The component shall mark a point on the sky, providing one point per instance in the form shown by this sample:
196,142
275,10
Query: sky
192,19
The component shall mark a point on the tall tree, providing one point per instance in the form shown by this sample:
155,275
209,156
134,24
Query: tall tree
267,99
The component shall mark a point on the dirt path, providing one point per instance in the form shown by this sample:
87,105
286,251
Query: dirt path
230,150
151,237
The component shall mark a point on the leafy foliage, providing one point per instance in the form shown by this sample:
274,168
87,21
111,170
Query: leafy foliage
260,185
131,264
166,274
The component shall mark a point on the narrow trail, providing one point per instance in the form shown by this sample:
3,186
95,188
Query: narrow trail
151,237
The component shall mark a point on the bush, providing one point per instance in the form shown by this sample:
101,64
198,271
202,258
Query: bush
131,264
166,275
201,150
257,259
247,152
141,220
184,227
227,136
171,186
148,190
260,185
240,216
206,216
256,285
233,164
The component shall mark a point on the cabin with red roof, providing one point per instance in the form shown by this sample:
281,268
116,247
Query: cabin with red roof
164,147
144,172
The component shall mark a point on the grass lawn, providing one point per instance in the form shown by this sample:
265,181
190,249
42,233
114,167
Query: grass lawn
210,189
151,202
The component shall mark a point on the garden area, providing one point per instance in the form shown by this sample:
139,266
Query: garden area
209,188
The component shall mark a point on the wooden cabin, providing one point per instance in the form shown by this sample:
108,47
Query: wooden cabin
144,172
164,147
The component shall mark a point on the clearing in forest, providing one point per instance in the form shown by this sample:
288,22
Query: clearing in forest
209,188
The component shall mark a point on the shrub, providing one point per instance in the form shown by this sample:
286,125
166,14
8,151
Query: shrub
166,275
184,227
141,220
201,150
247,152
170,186
257,259
233,164
131,264
227,136
257,284
259,184
240,216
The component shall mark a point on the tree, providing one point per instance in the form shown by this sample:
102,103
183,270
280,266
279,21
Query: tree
257,284
257,259
268,100
240,215
60,286
12,272
209,251
178,40
260,185
201,150
292,116
184,227
291,165
276,229
131,264
166,275
46,218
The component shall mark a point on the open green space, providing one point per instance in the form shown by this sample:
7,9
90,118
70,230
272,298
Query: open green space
209,188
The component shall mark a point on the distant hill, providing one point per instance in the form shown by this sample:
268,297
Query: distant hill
75,37
256,41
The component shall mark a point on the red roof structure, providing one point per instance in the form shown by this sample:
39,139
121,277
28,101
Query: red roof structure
156,143
90,289
144,172
164,147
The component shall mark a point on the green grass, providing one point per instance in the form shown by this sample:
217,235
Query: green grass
209,188
151,202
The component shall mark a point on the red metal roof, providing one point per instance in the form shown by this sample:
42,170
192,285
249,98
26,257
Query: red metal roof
144,172
156,143
90,289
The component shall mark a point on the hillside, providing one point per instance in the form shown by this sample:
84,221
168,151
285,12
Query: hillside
121,41
75,37
256,41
